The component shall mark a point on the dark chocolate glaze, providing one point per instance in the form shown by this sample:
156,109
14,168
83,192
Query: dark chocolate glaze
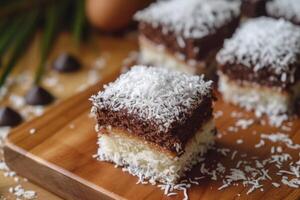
265,77
205,45
66,63
9,117
38,96
253,8
178,133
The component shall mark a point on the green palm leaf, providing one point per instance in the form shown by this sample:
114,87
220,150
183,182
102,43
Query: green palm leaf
78,21
25,31
8,35
53,15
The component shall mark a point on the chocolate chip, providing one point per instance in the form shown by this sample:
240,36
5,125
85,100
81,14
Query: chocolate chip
66,63
38,96
9,117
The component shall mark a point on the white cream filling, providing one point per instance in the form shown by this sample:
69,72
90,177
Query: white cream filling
158,55
263,100
148,163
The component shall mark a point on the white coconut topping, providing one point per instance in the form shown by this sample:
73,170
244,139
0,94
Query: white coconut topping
190,18
288,9
156,94
20,192
264,43
244,123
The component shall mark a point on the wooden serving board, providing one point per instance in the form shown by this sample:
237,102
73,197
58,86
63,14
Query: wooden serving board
59,157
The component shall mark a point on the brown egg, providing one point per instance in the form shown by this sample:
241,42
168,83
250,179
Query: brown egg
112,15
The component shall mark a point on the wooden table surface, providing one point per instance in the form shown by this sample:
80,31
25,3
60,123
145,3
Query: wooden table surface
59,156
108,51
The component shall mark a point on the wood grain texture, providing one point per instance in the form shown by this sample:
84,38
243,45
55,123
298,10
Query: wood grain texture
59,157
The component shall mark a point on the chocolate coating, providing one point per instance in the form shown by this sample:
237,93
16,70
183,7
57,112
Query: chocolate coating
202,50
66,63
148,131
194,49
38,96
253,8
265,77
9,117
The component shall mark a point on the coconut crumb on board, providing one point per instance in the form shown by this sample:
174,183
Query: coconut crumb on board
240,141
19,192
247,171
32,131
244,123
99,63
93,76
218,114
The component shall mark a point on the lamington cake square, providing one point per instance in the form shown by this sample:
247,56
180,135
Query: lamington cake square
185,35
287,9
154,122
259,66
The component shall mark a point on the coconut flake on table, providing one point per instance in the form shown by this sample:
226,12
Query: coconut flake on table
3,166
190,18
17,101
235,114
3,133
218,114
100,63
20,192
32,131
247,171
27,111
51,81
240,141
233,129
158,94
280,137
93,77
244,123
288,9
4,89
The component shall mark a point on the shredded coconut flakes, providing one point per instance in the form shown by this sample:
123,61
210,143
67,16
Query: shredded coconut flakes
190,18
288,9
156,94
250,172
264,43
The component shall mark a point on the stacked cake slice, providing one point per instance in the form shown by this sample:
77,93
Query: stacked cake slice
154,122
186,34
259,67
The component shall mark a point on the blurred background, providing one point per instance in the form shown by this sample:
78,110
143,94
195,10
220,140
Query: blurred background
52,49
